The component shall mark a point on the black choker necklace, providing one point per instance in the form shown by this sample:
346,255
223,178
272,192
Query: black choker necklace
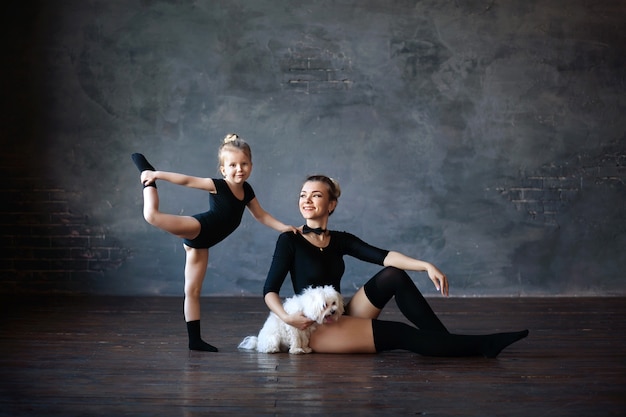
318,230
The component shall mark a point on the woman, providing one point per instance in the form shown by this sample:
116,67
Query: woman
315,257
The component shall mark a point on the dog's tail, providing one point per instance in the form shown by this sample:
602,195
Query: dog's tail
249,343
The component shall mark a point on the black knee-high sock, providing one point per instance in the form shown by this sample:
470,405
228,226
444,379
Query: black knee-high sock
391,335
143,165
195,341
141,162
392,282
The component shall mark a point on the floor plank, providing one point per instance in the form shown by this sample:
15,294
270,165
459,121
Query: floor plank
105,356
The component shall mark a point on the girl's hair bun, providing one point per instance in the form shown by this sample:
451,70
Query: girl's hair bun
231,137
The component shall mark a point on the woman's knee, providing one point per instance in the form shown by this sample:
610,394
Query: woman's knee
393,273
382,286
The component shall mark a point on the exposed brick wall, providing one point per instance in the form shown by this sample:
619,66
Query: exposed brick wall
314,70
49,247
543,194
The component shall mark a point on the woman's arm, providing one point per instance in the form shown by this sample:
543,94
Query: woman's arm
274,303
267,219
206,184
401,261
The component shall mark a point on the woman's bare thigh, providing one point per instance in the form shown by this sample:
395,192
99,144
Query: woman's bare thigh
347,335
360,306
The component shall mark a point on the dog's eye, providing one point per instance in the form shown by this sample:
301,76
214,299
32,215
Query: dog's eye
324,306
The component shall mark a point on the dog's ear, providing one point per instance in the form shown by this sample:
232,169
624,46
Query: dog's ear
340,305
320,303
336,297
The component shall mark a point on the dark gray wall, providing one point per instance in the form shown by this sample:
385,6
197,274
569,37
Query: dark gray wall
484,136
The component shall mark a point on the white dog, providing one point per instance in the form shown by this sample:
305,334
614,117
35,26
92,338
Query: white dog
320,304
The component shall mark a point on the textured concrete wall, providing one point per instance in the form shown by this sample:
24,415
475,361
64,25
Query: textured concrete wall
484,136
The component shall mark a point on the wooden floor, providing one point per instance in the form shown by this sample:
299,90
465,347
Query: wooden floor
129,357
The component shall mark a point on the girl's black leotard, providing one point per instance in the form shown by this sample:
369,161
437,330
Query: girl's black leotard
223,216
310,265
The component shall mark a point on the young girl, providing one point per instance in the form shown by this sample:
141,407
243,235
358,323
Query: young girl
228,198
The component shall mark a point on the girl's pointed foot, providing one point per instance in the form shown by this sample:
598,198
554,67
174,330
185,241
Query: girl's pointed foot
141,162
143,165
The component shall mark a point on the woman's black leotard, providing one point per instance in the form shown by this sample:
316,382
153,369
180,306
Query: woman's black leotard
223,217
310,265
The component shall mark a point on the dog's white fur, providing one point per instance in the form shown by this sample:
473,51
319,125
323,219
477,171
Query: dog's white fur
320,304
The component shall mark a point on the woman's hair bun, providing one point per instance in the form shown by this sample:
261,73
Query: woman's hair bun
337,188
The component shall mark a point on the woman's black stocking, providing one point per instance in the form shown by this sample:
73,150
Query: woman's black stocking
392,282
391,335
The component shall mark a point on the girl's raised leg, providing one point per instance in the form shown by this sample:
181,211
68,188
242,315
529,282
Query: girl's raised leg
185,227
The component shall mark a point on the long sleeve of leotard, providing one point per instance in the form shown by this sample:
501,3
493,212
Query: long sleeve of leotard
281,264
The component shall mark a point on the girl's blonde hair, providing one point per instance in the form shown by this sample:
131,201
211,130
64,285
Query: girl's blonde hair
233,141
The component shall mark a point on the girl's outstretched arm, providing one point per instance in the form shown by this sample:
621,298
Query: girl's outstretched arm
206,184
267,219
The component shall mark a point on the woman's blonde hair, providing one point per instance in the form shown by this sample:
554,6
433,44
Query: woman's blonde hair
233,141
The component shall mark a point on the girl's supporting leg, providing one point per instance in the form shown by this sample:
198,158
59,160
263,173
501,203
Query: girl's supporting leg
196,263
390,335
